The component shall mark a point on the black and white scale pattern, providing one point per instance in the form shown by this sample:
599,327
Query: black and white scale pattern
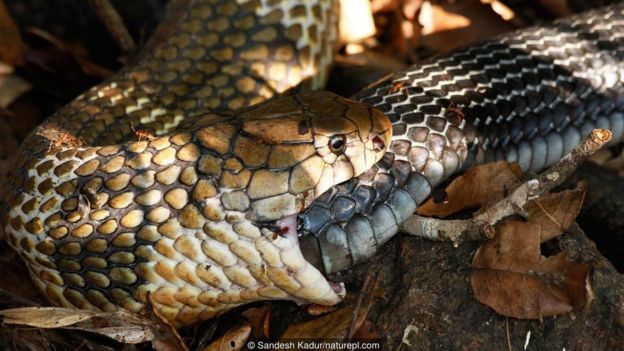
529,96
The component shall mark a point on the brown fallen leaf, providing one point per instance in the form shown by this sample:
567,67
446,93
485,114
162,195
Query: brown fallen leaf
481,185
332,326
452,24
511,277
16,287
399,25
233,340
515,248
503,11
30,339
121,325
559,8
76,51
11,45
356,21
260,320
556,212
384,5
9,151
166,337
366,332
611,159
338,325
317,310
12,87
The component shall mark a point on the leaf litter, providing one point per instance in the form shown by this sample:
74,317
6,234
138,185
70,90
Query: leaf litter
556,281
510,274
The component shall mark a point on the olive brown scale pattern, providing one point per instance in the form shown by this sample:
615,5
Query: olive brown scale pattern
139,185
528,97
208,55
189,216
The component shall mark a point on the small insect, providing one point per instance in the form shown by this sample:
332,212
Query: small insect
396,86
142,134
454,111
59,138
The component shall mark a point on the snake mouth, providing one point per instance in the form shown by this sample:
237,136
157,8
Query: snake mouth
287,227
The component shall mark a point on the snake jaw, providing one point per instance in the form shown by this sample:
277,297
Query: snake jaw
287,228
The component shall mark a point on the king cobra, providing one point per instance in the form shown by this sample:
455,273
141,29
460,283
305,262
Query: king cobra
199,224
200,214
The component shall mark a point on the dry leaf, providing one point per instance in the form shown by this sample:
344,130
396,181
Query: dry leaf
511,277
557,211
502,10
384,5
5,69
11,45
233,340
76,51
166,337
481,185
398,26
260,320
434,18
356,21
121,325
366,332
515,248
559,8
336,325
333,326
12,87
29,339
449,25
317,310
15,284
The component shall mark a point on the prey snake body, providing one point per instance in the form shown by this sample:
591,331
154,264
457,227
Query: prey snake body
528,97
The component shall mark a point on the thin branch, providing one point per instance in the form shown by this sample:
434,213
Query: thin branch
115,25
367,292
481,226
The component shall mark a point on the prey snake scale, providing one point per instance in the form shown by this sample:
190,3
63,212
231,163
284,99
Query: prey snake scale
202,214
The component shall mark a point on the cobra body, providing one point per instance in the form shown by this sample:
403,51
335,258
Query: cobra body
200,213
527,97
225,55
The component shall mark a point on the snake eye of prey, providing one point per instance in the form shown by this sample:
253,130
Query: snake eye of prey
337,144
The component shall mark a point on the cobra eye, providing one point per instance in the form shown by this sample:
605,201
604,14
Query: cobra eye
337,144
